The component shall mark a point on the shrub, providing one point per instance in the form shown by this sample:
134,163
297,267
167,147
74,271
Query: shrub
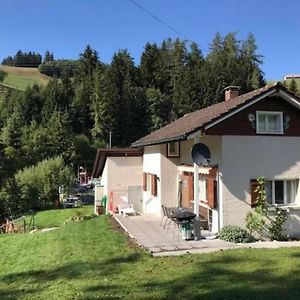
256,223
262,222
276,229
235,234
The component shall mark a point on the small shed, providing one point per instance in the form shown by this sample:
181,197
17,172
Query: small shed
121,171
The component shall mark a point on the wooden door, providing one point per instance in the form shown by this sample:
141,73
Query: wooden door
187,190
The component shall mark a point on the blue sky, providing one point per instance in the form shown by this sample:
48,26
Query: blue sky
65,27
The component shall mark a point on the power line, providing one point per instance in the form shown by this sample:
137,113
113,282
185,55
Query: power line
160,20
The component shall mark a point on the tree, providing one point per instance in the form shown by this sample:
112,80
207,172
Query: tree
293,86
2,75
89,67
159,106
149,66
38,185
89,63
60,136
48,57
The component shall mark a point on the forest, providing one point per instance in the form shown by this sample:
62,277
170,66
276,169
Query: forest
47,132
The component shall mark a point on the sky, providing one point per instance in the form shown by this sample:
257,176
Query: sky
66,27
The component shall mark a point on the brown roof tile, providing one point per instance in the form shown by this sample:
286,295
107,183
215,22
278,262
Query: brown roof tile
182,127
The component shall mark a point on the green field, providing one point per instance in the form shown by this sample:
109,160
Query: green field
20,78
90,260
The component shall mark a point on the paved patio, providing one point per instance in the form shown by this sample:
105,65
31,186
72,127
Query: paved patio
148,233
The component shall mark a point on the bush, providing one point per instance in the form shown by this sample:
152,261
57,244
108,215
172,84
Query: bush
257,223
276,230
235,234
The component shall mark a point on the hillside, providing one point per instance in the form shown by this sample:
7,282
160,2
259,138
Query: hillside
20,78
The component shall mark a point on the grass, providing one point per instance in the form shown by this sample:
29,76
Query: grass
55,218
21,78
89,260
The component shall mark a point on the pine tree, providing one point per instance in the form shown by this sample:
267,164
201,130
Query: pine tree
293,86
149,66
48,57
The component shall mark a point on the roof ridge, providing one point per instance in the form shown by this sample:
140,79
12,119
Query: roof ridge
181,127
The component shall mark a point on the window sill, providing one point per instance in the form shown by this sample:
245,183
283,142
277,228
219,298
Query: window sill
269,132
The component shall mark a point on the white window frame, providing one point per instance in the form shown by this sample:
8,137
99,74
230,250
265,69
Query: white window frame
285,200
269,113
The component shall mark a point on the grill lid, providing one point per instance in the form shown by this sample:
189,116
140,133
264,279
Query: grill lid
185,215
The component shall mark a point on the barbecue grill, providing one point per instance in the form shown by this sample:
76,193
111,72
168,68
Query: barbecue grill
184,218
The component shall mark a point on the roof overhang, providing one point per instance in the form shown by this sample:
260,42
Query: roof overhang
103,153
161,141
202,170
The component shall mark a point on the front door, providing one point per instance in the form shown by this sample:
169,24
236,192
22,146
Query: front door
187,190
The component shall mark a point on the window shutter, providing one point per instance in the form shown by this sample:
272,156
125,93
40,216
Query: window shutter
254,194
144,182
190,183
211,186
154,185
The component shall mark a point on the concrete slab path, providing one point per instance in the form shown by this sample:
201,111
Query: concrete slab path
148,233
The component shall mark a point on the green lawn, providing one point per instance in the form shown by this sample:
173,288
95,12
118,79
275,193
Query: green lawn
88,260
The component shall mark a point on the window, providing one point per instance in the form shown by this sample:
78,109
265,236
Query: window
173,149
269,122
150,183
282,192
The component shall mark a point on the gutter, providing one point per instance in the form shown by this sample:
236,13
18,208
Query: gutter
161,141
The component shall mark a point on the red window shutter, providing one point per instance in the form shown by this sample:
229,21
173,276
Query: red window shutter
211,186
154,185
190,182
254,193
144,182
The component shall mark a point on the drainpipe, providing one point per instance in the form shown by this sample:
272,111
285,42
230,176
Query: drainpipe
220,201
197,231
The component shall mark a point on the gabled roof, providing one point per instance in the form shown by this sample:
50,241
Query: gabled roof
185,126
103,153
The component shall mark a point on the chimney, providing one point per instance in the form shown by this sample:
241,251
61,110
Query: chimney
231,92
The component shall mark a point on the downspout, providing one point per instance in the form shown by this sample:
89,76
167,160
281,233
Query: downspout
220,201
197,231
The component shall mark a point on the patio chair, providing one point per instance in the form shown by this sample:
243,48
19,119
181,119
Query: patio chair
170,219
163,208
125,208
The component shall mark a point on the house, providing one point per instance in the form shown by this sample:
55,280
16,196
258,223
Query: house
120,172
248,136
291,76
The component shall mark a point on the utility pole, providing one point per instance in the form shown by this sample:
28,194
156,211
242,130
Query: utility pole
110,139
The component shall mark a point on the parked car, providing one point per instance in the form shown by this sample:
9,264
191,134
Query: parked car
80,189
72,202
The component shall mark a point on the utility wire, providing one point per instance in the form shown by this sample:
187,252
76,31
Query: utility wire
160,20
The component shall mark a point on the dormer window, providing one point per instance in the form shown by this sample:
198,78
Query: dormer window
269,122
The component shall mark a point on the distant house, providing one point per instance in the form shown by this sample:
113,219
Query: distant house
251,135
291,76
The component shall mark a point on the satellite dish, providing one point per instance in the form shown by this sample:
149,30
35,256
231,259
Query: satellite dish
200,154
